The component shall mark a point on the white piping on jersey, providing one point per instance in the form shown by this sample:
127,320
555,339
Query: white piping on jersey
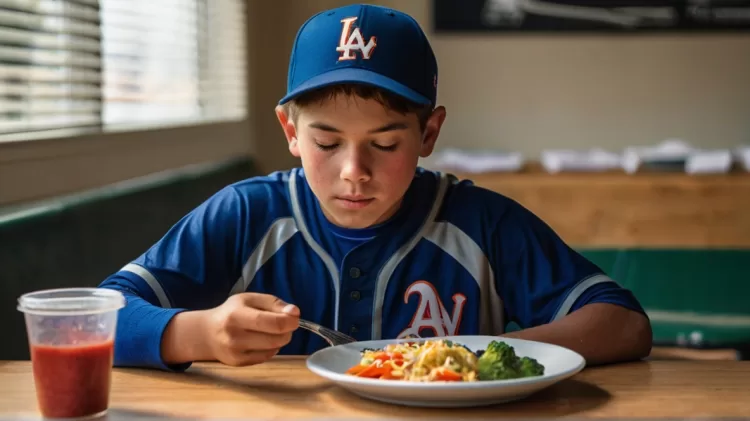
278,233
152,282
389,267
468,254
576,292
325,257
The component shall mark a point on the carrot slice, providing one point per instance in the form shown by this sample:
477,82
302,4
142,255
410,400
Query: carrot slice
448,375
356,369
373,371
387,372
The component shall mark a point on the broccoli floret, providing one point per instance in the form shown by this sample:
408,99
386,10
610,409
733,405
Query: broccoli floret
531,367
500,362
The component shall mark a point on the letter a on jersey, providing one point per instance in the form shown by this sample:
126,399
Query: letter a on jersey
431,312
352,41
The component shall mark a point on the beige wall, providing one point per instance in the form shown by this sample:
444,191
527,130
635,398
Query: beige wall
533,92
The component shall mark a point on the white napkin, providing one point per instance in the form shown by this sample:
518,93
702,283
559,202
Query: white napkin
557,160
679,152
668,151
709,162
478,161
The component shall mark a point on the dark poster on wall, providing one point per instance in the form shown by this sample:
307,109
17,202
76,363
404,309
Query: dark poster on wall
620,16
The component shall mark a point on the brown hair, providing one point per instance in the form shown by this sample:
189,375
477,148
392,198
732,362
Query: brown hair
387,99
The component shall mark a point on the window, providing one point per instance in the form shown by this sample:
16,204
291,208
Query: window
114,64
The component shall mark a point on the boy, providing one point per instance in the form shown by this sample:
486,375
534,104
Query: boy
360,239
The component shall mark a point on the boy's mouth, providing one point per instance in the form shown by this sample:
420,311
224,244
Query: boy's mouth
354,202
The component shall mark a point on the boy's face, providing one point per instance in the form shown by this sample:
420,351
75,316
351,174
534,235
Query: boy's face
359,157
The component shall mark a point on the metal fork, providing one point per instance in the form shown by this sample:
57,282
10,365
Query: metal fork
333,337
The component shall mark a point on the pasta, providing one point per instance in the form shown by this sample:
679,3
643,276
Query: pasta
421,362
444,361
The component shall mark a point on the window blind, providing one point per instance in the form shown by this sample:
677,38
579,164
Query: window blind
49,65
173,60
223,52
150,58
116,63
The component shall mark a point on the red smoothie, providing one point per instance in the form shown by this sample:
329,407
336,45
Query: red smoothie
74,380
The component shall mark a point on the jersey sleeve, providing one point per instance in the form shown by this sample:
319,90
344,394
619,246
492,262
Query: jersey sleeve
541,279
193,266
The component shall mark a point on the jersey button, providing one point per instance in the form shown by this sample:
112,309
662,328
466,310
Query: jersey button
353,330
355,273
355,295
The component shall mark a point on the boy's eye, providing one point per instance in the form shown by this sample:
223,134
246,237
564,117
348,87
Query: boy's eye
389,148
326,147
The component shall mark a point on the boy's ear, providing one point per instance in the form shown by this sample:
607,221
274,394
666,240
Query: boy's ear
287,125
432,131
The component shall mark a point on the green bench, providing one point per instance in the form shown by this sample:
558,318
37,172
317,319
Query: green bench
81,239
695,298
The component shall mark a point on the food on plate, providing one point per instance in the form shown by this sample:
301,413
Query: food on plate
500,362
444,360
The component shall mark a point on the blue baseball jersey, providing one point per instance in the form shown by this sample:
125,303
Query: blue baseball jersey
456,259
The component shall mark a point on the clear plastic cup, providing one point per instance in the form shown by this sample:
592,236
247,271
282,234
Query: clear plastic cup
71,336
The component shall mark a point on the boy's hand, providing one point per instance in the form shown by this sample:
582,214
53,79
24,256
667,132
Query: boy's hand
250,328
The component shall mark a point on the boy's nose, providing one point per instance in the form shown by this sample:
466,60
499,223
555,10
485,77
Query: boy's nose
355,169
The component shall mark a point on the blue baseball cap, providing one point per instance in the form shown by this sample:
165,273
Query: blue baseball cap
364,44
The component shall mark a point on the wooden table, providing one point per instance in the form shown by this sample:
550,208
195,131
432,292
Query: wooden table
285,389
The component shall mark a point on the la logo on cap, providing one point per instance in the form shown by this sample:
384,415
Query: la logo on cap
352,41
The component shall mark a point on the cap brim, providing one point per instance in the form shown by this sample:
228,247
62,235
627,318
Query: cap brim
355,75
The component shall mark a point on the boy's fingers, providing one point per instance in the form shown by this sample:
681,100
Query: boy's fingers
245,341
251,357
252,319
270,303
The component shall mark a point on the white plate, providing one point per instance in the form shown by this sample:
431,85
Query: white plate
559,364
